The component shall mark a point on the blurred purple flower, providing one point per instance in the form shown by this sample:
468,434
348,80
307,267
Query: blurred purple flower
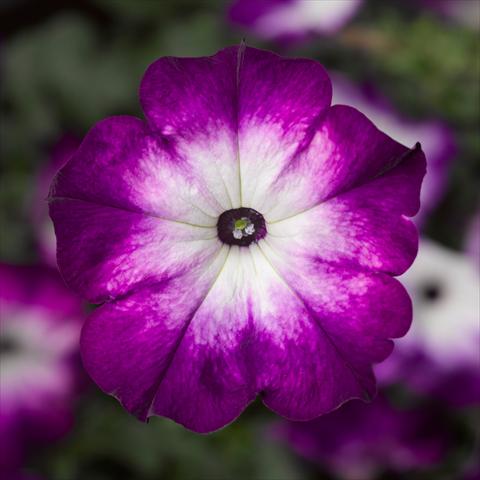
291,20
39,333
435,137
244,240
45,234
440,355
362,441
463,12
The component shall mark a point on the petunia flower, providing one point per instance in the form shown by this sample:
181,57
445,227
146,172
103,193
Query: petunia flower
436,138
440,354
369,441
44,233
291,20
243,241
39,331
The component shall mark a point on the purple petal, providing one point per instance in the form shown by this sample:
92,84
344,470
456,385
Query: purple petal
345,151
105,252
159,351
192,96
122,164
281,102
42,223
260,107
354,313
365,226
435,137
200,356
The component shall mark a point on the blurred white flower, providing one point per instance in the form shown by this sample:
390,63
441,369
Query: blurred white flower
445,289
293,19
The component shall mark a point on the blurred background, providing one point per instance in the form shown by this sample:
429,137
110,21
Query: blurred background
412,66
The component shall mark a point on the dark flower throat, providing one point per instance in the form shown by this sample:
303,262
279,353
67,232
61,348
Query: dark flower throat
241,226
8,346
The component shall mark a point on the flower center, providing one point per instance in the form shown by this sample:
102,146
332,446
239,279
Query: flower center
241,226
8,346
431,291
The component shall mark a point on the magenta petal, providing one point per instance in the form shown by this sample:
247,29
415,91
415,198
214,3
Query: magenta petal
44,232
345,151
207,387
436,138
308,375
292,93
346,319
147,351
192,96
122,164
351,151
280,104
200,356
260,107
365,226
188,96
104,252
